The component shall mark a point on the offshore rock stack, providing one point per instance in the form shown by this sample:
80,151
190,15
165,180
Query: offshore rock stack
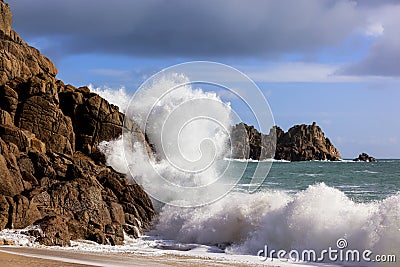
299,143
51,173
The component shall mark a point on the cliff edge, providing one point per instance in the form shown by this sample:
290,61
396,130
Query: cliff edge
51,173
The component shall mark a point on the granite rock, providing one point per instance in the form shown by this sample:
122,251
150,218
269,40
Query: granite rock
50,172
299,143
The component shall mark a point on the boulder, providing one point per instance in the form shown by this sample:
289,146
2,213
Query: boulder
4,212
24,212
55,231
9,100
365,157
44,119
5,118
5,19
11,183
94,119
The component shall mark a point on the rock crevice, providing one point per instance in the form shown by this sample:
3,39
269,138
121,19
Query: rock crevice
51,174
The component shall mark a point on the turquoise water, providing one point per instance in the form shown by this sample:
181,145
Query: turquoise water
300,205
360,181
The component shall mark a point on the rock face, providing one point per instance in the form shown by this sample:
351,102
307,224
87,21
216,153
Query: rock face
300,143
51,173
305,142
248,143
365,157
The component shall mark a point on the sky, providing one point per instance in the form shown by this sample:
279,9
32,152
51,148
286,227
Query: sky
333,62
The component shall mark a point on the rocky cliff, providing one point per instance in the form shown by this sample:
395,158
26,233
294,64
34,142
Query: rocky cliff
299,143
248,143
50,171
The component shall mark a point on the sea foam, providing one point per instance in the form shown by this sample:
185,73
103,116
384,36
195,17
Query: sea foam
312,219
244,223
119,97
189,129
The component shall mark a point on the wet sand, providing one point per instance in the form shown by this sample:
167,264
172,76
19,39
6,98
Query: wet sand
11,260
35,257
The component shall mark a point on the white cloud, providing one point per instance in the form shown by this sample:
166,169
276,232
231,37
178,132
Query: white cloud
375,29
384,55
302,72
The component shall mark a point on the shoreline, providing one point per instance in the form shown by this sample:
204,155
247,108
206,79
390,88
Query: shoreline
14,256
22,256
9,259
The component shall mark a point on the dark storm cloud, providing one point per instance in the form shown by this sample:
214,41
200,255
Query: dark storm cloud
225,28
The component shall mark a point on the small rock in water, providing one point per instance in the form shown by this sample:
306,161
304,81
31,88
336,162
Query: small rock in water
365,157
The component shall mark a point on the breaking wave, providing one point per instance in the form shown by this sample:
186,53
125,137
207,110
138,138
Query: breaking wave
240,222
312,219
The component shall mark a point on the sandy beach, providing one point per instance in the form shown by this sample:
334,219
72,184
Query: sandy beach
13,260
24,256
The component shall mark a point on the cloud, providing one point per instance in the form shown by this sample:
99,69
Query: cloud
190,30
294,72
156,28
375,29
384,55
301,72
375,3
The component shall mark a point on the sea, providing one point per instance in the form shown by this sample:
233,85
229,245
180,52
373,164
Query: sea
332,209
361,182
275,213
300,206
